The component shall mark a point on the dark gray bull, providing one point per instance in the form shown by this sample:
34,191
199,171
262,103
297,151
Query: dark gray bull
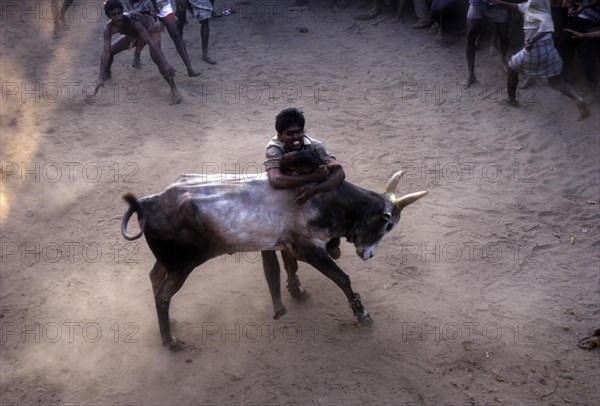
197,219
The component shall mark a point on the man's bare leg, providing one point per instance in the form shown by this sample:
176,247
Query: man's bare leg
173,30
473,26
556,83
139,45
168,76
512,80
204,33
502,32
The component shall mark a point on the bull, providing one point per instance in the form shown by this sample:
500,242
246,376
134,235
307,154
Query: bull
199,218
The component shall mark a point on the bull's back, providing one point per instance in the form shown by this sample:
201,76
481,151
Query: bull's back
232,215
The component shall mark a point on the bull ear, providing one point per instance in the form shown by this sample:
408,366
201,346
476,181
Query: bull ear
405,200
393,183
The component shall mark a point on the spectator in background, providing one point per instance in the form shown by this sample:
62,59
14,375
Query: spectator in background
422,10
480,10
163,10
538,57
560,12
202,10
583,17
438,9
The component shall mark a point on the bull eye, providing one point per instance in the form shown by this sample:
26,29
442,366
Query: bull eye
389,227
387,215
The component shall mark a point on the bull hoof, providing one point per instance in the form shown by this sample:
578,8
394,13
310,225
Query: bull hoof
366,320
176,345
299,293
280,313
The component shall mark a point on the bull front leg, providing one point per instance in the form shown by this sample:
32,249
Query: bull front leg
272,274
318,258
164,285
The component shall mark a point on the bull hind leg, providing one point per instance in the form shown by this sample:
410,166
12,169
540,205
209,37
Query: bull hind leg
165,284
319,259
293,283
272,274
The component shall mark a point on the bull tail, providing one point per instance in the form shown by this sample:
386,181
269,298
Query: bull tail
134,207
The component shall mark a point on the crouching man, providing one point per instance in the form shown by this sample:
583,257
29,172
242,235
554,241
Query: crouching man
147,29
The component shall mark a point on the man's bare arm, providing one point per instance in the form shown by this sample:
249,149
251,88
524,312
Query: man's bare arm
336,176
280,180
107,35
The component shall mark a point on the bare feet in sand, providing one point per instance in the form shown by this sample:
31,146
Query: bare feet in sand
584,111
470,80
175,97
207,59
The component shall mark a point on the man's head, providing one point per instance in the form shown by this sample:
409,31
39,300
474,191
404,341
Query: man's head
112,8
289,125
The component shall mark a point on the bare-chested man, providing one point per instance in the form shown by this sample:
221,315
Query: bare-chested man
145,28
164,11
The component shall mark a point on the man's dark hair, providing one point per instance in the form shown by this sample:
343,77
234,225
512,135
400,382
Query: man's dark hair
110,5
288,118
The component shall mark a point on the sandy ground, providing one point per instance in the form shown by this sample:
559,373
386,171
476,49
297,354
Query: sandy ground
478,297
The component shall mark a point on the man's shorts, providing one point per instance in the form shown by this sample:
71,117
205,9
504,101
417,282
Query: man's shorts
201,9
165,10
494,14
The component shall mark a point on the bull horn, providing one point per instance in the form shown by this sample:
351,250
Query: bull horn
404,201
393,183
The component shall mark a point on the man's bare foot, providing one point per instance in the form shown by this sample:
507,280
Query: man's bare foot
584,111
206,59
470,80
193,74
136,60
175,97
513,103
